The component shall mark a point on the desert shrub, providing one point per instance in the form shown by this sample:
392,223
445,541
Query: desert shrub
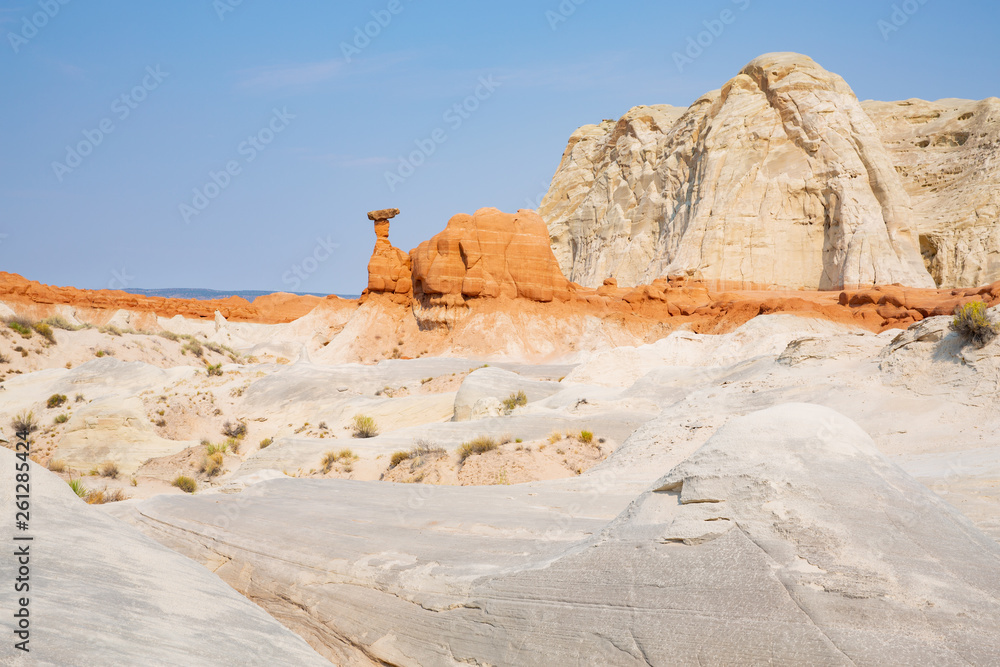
57,465
55,400
24,424
365,427
61,419
972,322
45,331
108,469
169,335
111,330
185,484
426,380
515,400
21,325
555,437
115,496
234,445
193,346
586,437
78,488
4,359
397,458
57,322
237,430
79,398
214,370
95,497
211,449
211,465
480,445
266,442
345,456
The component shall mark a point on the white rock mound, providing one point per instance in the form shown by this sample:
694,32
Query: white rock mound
778,179
787,539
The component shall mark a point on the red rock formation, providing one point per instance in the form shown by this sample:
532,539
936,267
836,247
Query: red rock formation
98,306
490,254
389,267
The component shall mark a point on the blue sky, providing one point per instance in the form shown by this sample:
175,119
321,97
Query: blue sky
287,136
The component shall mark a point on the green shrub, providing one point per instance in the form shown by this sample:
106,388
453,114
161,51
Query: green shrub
186,484
365,427
78,488
21,325
480,445
192,346
972,322
55,401
586,437
266,442
61,419
169,335
515,400
234,445
214,370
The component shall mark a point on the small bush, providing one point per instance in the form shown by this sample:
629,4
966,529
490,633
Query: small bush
344,456
397,458
4,359
57,465
55,400
365,427
79,398
214,370
61,419
972,322
515,400
266,442
234,445
194,347
186,484
555,437
211,465
57,322
211,449
480,445
586,437
78,488
45,331
169,335
108,469
21,326
237,430
24,424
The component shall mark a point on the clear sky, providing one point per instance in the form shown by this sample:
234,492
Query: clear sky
228,144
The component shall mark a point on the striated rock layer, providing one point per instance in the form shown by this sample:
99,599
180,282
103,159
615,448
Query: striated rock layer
779,179
947,154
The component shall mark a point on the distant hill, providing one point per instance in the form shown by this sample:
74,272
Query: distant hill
208,294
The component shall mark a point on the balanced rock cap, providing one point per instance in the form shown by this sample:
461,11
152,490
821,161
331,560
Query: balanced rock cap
384,214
